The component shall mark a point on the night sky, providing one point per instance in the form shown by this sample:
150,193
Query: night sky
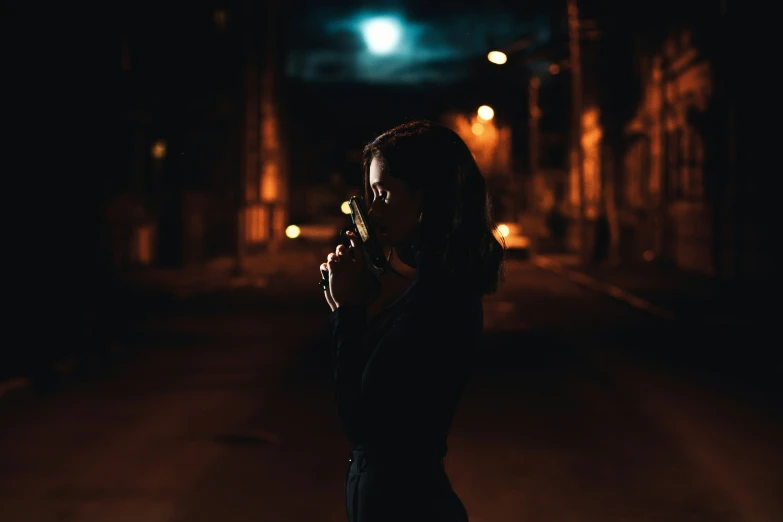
337,93
436,45
338,85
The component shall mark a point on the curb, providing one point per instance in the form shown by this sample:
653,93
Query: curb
605,288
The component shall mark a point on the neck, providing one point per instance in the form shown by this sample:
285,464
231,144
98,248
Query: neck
407,255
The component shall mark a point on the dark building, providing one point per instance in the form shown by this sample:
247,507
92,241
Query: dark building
203,166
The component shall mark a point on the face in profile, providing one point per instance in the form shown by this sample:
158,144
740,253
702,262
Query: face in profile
395,208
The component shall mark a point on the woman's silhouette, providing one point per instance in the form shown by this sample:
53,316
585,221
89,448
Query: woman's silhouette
399,376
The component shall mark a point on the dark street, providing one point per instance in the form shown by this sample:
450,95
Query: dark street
221,409
188,339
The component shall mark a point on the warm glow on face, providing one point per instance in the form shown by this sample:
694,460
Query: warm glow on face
346,207
486,113
503,230
292,231
497,57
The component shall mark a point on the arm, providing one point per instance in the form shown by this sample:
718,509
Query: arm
349,325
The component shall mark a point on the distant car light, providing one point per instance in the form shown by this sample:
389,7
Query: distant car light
512,237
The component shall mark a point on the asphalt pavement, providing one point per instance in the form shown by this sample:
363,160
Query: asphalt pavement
217,405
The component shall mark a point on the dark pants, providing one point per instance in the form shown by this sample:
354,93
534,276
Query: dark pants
400,489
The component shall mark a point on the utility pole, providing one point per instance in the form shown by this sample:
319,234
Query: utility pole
577,153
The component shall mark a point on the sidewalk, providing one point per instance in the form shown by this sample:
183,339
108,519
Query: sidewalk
714,330
669,293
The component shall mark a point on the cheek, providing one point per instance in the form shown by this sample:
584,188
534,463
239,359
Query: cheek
404,221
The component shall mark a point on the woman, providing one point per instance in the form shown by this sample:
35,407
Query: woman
399,376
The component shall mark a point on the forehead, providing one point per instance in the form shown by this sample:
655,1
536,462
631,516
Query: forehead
376,173
381,176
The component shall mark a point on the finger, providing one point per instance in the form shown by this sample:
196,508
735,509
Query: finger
331,258
330,300
324,276
358,248
341,250
332,264
328,290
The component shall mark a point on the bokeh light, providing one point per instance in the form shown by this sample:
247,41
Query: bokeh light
497,57
486,113
292,231
381,34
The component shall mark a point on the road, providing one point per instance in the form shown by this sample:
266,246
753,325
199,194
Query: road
221,410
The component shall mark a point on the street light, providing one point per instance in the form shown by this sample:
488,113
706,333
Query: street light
485,112
497,57
500,57
292,231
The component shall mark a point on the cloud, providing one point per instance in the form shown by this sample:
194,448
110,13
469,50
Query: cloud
431,49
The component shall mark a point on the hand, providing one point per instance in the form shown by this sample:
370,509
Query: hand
350,282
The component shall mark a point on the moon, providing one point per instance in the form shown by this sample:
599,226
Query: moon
381,34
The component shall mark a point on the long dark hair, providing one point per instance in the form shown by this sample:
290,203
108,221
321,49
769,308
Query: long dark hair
457,226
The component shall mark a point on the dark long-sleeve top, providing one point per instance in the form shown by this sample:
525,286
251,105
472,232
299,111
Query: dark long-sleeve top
399,377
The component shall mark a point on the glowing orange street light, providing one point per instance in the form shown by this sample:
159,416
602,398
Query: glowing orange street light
486,113
497,57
